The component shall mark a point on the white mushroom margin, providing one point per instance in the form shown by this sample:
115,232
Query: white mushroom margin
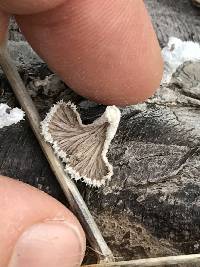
111,116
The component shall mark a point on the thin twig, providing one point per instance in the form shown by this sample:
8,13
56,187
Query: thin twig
152,262
71,192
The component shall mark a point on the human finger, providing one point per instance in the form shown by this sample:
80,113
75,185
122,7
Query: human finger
37,230
106,51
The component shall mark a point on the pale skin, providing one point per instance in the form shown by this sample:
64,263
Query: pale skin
104,50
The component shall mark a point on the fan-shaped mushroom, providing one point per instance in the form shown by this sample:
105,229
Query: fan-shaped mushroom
82,148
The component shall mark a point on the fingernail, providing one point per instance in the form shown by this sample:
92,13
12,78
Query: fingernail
49,244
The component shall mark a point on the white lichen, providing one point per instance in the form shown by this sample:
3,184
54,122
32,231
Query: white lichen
176,53
82,148
9,116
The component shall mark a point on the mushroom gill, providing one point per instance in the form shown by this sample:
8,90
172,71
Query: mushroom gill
82,148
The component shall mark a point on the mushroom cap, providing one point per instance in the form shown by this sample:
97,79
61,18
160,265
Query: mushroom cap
83,148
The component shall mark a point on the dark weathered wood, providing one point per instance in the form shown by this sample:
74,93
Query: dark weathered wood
177,18
151,207
156,181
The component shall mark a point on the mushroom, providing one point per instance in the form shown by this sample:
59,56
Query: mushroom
82,148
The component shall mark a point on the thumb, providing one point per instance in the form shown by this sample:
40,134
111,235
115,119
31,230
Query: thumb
36,230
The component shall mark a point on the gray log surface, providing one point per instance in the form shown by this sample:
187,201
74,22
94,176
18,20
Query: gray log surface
151,207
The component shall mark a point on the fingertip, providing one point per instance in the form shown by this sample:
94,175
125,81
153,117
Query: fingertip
137,83
145,80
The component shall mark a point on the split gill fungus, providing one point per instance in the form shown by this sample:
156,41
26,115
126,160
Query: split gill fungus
82,148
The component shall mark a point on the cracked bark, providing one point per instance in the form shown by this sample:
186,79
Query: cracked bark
152,205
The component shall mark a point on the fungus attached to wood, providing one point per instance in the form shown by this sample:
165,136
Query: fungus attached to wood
82,148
